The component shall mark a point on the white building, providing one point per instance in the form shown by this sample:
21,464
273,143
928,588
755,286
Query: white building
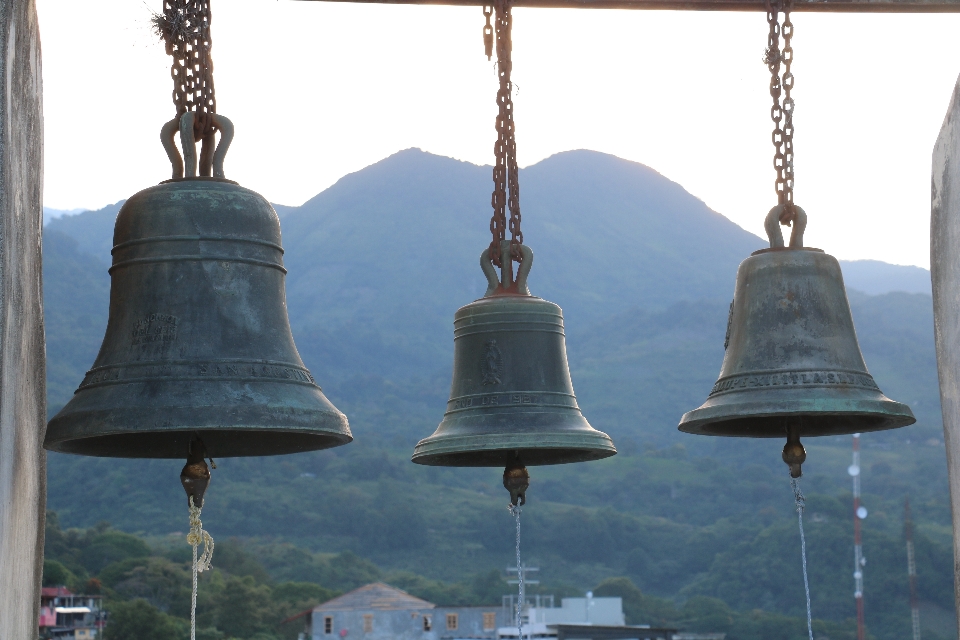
542,621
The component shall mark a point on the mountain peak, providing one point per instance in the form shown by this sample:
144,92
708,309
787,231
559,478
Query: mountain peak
575,158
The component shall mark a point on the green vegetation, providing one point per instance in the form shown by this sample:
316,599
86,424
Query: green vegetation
147,590
147,587
704,527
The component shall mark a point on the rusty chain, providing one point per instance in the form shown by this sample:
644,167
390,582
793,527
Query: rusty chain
184,27
782,110
488,32
506,191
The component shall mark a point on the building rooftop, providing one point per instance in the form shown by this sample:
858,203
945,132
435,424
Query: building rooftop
376,596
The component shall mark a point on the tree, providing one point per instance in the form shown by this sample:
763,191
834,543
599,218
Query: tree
637,607
242,609
707,615
55,574
624,589
140,620
112,546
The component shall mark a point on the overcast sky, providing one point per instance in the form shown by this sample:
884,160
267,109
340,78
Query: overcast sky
318,90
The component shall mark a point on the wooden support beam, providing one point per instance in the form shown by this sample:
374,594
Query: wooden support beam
945,276
823,6
23,473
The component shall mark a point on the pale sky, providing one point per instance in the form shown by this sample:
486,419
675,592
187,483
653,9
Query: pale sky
318,90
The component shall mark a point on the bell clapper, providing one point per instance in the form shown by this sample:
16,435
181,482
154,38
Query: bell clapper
195,478
195,475
793,452
516,480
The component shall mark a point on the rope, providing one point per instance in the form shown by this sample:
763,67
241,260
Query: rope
801,503
515,512
195,538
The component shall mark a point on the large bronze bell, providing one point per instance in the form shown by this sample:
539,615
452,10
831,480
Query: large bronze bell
792,363
198,343
511,400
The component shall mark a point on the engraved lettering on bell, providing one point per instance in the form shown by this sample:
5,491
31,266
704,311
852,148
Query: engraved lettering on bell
198,370
491,363
788,378
156,327
726,339
498,400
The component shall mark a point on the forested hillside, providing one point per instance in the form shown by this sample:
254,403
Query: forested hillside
644,271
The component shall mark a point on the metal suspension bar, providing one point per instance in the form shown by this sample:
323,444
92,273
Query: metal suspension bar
828,6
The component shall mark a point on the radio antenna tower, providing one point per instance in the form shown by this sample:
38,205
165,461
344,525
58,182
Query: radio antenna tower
859,513
911,570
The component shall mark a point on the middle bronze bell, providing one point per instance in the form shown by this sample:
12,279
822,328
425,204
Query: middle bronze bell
511,400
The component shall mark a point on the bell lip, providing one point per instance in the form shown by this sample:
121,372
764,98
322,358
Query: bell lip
174,443
94,424
762,419
550,448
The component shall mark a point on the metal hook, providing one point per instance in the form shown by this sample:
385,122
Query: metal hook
211,160
508,285
772,226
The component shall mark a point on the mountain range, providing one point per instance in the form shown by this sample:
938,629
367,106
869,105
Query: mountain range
644,272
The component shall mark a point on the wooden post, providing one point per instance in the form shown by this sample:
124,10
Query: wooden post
22,370
945,274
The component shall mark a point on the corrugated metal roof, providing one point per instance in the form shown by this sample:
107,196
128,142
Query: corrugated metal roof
376,596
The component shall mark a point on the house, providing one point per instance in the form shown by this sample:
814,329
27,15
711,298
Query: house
66,615
380,612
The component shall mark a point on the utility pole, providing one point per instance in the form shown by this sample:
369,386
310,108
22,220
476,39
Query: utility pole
911,570
522,576
859,513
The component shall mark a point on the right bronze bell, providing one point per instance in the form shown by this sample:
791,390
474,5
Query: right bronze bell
792,365
511,401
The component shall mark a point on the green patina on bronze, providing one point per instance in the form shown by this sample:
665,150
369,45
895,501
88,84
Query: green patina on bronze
511,398
198,343
792,356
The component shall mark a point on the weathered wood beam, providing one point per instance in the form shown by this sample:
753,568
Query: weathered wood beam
827,6
23,473
945,275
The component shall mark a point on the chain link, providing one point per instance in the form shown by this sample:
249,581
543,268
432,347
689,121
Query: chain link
506,185
488,32
184,27
782,110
